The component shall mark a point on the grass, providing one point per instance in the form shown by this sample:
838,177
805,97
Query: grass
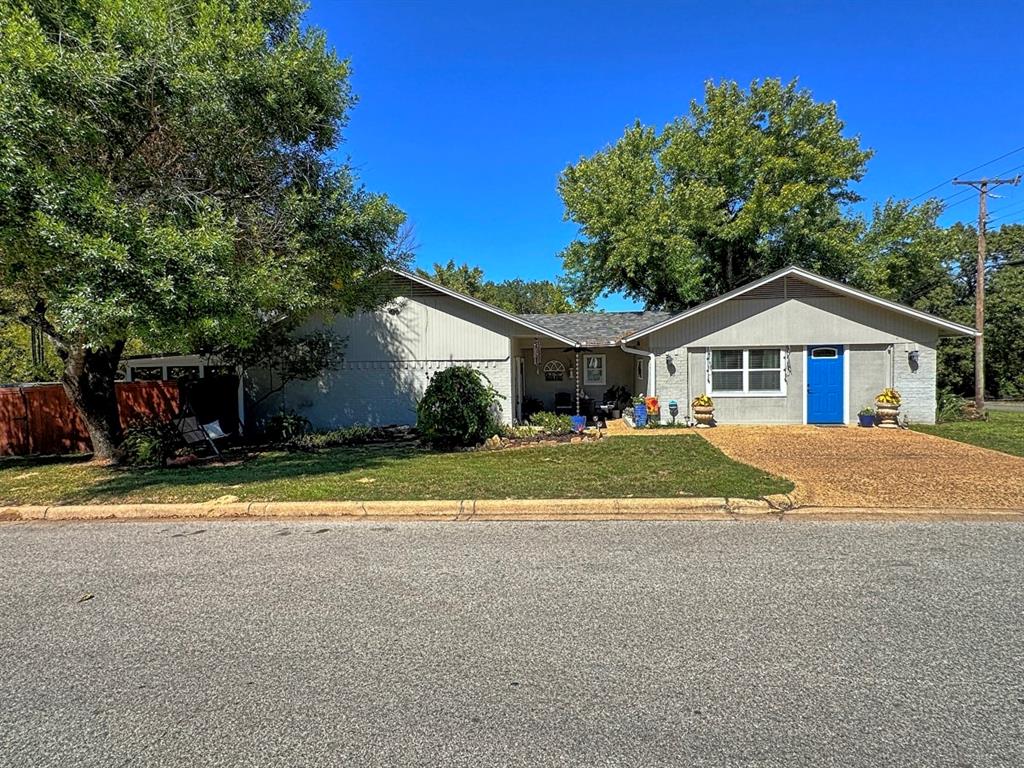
1002,431
678,465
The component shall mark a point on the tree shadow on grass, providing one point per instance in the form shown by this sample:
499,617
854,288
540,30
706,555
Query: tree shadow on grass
234,477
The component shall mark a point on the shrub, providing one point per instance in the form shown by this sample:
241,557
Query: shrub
285,427
552,423
949,407
150,443
334,438
457,409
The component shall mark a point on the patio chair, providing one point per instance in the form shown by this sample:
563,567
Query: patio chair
194,433
563,404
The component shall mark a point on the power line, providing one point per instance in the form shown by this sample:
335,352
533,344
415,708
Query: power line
969,170
1004,212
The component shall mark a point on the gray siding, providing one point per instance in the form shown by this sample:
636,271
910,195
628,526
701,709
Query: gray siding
763,322
391,354
878,343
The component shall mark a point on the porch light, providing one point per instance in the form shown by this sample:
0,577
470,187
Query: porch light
913,356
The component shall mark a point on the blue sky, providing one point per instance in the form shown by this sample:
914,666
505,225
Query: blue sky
468,111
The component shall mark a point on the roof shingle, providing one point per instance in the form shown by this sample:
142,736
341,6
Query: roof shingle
597,329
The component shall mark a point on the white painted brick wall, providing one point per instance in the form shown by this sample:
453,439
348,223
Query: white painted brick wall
916,386
670,381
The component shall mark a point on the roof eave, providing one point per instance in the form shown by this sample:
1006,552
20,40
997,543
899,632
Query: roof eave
539,329
955,329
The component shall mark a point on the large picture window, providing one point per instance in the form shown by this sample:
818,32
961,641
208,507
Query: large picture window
747,372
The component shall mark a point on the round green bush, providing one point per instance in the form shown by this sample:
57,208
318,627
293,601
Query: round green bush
457,409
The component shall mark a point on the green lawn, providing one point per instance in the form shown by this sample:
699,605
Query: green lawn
1002,432
677,465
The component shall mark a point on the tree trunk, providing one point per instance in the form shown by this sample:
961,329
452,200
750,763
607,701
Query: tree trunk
89,383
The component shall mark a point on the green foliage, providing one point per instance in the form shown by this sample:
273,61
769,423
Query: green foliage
1004,330
284,427
949,407
16,358
357,434
551,423
166,175
287,356
517,296
150,443
749,181
457,409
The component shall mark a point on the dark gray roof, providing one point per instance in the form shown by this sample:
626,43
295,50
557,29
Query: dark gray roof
600,329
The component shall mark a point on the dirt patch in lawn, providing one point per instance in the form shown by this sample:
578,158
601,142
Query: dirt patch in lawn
876,467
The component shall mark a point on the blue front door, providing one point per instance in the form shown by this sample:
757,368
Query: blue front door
825,385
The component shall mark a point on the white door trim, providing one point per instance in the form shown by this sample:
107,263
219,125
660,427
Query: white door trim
804,387
846,384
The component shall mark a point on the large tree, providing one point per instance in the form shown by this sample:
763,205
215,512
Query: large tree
517,295
747,182
166,177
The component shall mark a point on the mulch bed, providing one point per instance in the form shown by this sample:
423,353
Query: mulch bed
876,467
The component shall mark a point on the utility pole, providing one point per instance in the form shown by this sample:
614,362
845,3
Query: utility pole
982,185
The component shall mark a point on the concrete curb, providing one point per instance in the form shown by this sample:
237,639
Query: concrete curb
714,508
450,510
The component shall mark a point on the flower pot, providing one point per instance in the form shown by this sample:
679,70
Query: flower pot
866,419
640,415
888,415
705,416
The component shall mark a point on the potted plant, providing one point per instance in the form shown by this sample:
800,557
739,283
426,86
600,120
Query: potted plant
703,410
653,409
887,405
866,416
639,411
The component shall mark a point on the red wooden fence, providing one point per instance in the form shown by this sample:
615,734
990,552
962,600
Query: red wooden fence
41,420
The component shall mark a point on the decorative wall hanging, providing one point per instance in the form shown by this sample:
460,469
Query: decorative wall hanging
554,370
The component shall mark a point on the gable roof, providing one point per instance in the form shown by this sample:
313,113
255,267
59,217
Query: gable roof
951,328
520,320
598,329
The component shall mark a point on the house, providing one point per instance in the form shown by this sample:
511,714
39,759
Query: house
790,348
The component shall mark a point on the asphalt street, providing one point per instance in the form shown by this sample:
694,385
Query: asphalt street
284,643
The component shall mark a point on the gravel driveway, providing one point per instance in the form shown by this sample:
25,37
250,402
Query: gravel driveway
877,467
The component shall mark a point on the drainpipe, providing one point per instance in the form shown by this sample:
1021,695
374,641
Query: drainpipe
651,391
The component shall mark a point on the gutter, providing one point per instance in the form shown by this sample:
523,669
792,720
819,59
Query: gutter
651,390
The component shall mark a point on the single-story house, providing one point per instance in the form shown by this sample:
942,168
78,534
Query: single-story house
790,348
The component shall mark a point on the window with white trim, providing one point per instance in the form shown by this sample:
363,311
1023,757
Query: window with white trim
594,369
746,372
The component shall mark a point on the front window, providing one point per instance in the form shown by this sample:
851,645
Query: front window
593,367
747,372
147,373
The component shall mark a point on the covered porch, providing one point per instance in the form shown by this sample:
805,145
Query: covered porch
554,377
